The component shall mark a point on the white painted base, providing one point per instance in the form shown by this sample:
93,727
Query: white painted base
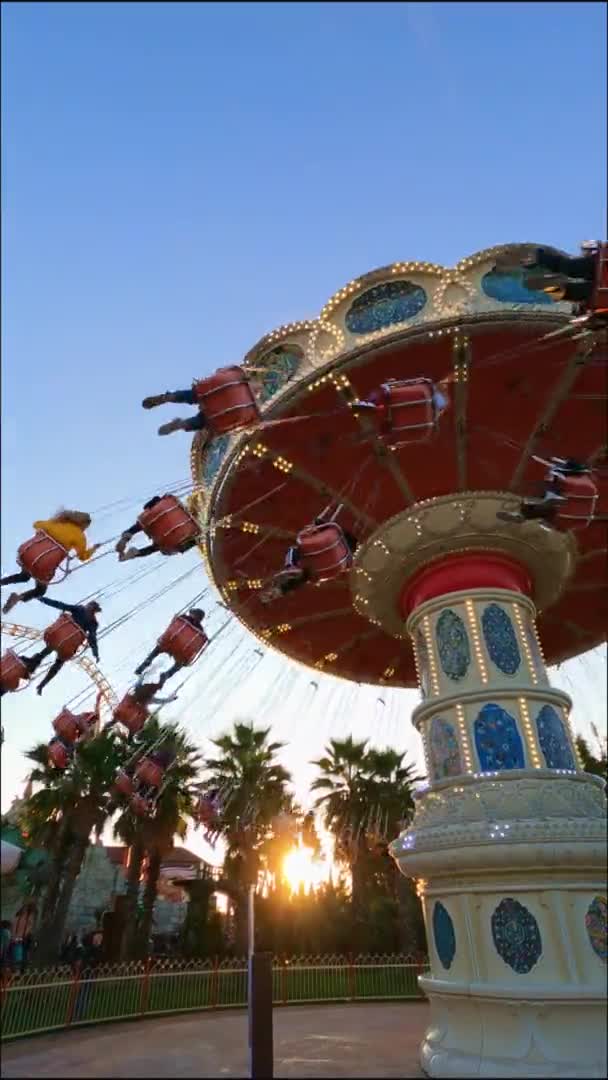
477,1036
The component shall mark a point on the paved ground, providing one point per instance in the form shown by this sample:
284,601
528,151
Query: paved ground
379,1040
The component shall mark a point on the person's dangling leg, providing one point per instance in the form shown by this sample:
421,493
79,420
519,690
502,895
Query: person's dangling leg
192,423
177,397
15,579
582,266
156,651
137,553
32,663
51,673
166,675
30,594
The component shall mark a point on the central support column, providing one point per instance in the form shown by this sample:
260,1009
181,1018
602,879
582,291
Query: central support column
508,842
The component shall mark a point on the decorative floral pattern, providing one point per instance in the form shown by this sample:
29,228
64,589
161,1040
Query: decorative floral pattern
509,288
385,305
282,364
424,668
443,933
596,921
214,455
444,751
497,740
553,740
453,642
500,639
516,936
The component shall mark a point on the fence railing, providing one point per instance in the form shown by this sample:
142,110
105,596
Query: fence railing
47,1000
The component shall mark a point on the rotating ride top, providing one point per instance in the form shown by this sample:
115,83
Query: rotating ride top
416,422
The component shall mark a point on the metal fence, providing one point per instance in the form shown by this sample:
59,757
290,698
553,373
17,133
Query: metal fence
47,1000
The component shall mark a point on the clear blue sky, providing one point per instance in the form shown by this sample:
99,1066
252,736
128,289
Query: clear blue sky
179,179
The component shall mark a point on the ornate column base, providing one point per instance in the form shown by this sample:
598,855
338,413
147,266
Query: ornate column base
473,1034
511,870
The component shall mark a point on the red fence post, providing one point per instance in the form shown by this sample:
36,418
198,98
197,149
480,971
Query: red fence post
75,987
145,987
351,977
215,980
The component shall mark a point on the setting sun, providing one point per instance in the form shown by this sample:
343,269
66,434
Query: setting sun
302,869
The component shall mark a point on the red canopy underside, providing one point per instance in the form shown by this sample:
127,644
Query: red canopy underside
506,402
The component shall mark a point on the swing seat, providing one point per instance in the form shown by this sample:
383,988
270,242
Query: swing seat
182,641
59,755
227,401
324,553
168,524
67,726
148,772
65,637
41,556
86,722
131,714
599,297
409,414
140,806
206,811
12,671
124,784
578,508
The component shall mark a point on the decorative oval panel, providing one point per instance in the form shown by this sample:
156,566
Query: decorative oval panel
453,645
500,639
509,288
516,936
385,305
443,934
553,739
596,925
444,750
497,740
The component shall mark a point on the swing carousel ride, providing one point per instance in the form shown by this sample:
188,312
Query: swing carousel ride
412,490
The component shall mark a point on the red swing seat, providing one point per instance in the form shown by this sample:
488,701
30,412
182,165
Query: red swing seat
67,726
59,755
64,636
580,493
409,414
41,556
324,552
206,811
168,524
124,784
131,713
183,641
227,401
599,297
140,805
12,670
148,772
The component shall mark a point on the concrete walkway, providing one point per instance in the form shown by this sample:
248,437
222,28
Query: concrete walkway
379,1040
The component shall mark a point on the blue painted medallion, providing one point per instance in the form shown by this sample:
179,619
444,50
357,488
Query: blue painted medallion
385,305
281,365
453,644
509,288
443,934
443,749
553,739
516,936
497,740
214,455
596,926
500,639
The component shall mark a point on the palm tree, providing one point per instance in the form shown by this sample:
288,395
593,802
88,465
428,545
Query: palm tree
155,836
69,806
592,763
253,790
367,798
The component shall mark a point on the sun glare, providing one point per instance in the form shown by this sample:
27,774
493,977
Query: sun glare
302,869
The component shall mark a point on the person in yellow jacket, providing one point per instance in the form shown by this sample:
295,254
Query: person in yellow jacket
67,527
